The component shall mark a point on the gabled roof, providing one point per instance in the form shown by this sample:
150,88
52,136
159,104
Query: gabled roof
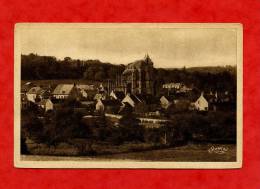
135,98
36,90
63,89
202,98
137,64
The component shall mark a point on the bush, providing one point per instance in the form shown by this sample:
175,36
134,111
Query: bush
214,126
152,135
130,128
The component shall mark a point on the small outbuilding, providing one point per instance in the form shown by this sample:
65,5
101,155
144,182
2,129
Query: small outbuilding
201,104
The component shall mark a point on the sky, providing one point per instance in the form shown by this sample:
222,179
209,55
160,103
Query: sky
167,47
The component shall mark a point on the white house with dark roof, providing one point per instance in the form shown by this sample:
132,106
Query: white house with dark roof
201,104
117,95
85,89
62,91
131,100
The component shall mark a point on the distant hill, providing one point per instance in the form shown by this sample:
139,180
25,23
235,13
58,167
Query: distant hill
209,69
212,69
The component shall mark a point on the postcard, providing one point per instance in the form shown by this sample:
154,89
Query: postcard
128,95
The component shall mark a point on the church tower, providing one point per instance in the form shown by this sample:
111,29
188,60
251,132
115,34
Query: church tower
140,76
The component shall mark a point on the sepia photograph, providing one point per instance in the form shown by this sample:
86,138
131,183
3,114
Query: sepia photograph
128,95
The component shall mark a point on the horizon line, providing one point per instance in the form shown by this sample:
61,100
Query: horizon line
106,62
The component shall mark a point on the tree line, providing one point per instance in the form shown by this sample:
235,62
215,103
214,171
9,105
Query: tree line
35,67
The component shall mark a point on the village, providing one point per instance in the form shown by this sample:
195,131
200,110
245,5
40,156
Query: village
97,100
129,110
132,91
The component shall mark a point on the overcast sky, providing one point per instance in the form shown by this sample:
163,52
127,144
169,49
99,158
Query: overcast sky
167,47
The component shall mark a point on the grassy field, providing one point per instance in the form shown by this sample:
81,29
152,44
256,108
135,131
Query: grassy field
188,153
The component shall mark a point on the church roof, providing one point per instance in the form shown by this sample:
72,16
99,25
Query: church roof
138,64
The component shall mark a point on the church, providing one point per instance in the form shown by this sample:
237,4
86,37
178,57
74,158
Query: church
137,78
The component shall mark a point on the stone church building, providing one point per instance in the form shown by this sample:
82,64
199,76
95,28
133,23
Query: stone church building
137,78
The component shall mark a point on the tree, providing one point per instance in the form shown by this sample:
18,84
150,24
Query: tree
100,75
67,59
130,128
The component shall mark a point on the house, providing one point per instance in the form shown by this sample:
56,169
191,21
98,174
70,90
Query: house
132,100
46,104
176,86
85,89
117,95
166,101
142,103
201,104
125,109
35,92
108,106
63,91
